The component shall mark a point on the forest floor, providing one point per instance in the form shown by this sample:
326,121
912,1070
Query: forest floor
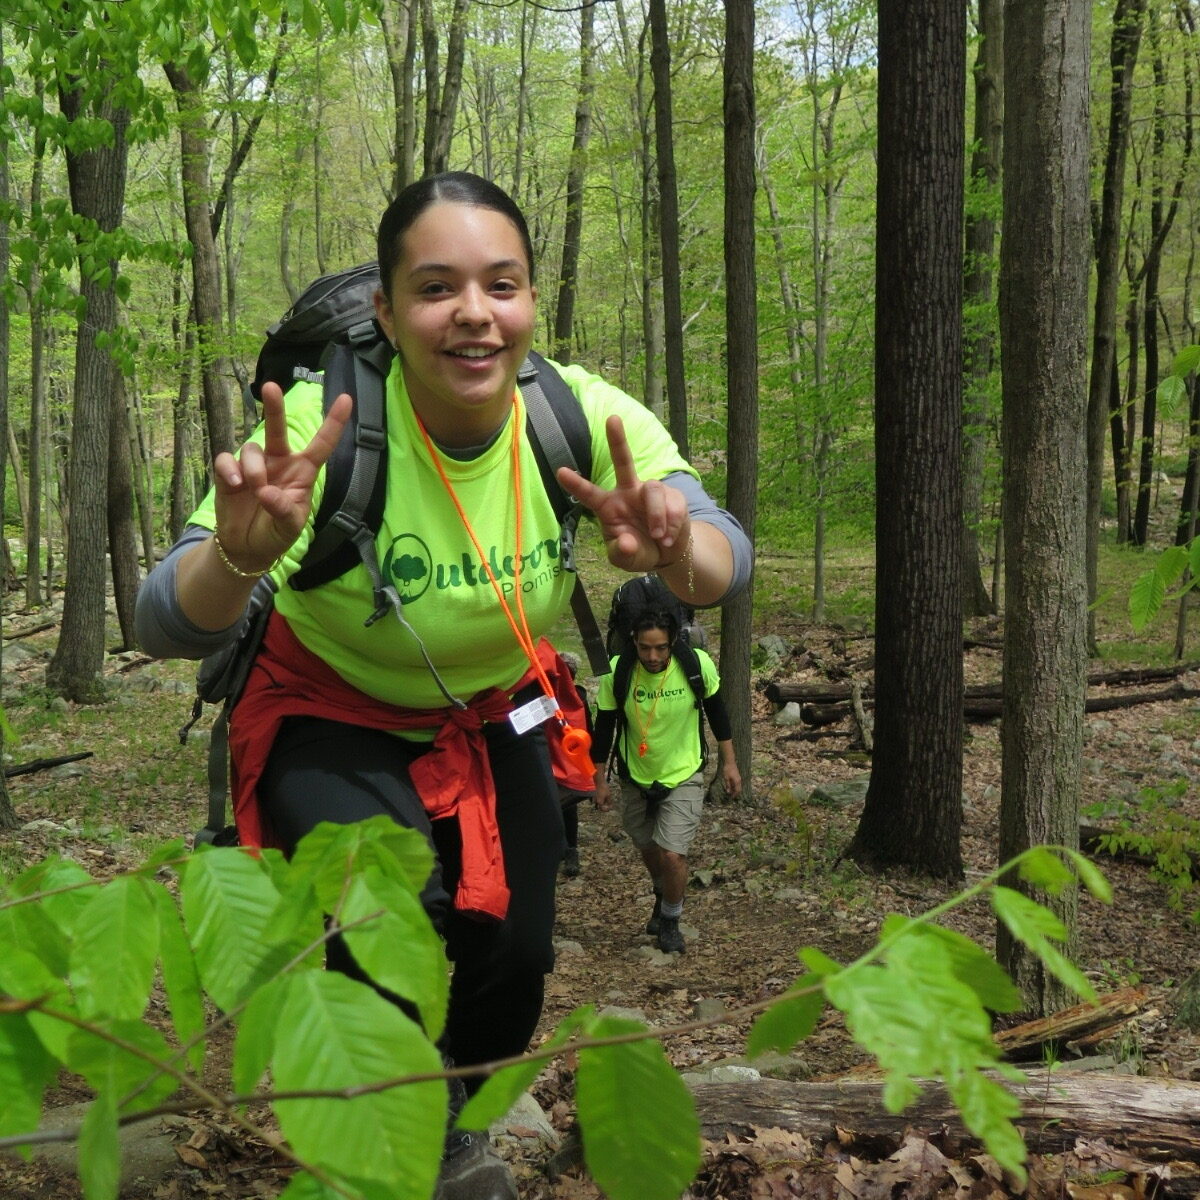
767,879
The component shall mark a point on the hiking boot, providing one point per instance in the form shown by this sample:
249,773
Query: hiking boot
570,863
473,1170
670,940
656,915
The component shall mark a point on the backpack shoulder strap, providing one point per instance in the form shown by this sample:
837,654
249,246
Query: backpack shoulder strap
561,437
689,660
355,479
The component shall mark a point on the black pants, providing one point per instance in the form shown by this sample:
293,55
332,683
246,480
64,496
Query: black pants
322,770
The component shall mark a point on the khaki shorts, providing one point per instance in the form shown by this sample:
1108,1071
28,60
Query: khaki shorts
676,818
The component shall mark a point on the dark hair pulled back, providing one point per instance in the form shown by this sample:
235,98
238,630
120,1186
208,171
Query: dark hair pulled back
654,619
454,187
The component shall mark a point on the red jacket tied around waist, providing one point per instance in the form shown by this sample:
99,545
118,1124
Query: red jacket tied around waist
453,778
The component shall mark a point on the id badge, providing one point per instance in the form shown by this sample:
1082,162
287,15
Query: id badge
534,713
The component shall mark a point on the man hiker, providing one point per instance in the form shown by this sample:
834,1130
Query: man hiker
652,702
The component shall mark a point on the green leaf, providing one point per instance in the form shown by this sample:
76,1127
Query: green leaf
1186,361
303,1186
100,1151
971,964
120,1057
1194,557
168,852
334,1033
789,1020
115,950
25,1070
1033,925
1090,876
500,1091
180,978
256,1034
1171,391
1041,867
25,977
330,853
228,901
399,949
641,1137
988,1109
1171,564
819,963
1145,599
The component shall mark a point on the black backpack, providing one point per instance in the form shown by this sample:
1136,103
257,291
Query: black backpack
330,335
648,593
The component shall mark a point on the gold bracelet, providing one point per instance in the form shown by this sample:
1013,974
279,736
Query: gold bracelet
236,570
686,556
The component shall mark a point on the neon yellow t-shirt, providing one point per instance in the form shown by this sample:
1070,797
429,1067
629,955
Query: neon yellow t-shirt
660,710
425,551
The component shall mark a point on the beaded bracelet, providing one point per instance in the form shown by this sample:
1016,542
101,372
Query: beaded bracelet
236,570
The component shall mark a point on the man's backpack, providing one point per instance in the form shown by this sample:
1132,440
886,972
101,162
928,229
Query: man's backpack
643,594
630,601
330,335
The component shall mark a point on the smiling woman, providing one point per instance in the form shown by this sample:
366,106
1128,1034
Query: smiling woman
342,721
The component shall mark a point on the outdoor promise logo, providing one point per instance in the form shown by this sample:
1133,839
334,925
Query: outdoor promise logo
409,565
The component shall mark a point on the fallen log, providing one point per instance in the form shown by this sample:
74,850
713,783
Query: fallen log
832,693
1070,1024
30,630
987,709
1156,1118
44,764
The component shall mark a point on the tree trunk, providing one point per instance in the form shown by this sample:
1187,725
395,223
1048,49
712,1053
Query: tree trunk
8,816
96,178
564,312
122,539
395,19
668,213
1127,32
1043,321
979,339
741,323
1123,418
913,810
441,98
215,371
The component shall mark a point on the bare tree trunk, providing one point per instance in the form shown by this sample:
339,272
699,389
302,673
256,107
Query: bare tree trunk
1160,225
668,213
564,311
1043,316
395,18
1123,419
742,363
913,810
8,816
1127,32
122,542
980,239
206,279
97,185
441,101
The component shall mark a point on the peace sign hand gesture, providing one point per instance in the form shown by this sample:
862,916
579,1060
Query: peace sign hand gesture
263,495
644,522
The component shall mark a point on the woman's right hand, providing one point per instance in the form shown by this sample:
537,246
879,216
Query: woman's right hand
264,493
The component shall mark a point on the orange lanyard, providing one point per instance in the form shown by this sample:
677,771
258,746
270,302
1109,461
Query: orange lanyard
576,742
644,727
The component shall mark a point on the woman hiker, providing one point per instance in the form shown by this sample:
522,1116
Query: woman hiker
341,721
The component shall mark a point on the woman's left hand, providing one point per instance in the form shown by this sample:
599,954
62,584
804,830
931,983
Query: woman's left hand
644,522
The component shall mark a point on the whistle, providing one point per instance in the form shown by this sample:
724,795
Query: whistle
577,744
